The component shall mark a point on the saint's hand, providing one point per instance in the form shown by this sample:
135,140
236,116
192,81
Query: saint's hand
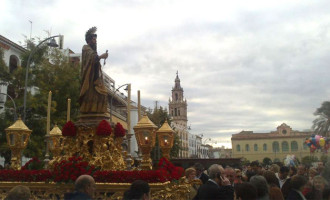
104,56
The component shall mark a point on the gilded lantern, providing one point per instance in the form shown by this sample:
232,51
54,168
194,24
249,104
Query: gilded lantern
18,136
55,141
145,133
166,139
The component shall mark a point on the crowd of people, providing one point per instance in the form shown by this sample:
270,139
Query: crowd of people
252,182
255,182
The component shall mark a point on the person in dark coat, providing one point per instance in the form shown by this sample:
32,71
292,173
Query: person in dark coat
139,189
200,172
297,185
216,187
84,189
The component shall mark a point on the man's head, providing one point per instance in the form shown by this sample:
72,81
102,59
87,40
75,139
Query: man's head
199,169
298,182
245,191
215,173
19,192
301,170
284,172
320,167
230,174
138,190
255,166
261,184
85,184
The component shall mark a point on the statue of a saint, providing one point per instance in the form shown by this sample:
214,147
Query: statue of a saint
93,93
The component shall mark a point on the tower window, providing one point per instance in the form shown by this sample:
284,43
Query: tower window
179,112
176,96
13,62
175,112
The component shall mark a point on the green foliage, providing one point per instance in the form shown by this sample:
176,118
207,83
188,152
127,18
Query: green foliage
176,146
245,162
267,161
321,125
50,70
308,160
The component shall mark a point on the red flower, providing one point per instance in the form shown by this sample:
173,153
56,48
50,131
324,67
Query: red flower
69,129
119,130
104,128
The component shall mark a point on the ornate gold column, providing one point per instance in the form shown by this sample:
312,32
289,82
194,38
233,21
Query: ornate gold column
165,136
145,133
18,136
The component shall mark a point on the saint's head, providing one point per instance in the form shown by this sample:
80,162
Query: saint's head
90,37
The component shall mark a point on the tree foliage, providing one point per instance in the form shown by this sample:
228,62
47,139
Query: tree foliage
308,160
321,125
50,70
267,161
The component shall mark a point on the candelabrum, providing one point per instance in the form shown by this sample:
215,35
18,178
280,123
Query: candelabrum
18,136
145,133
165,136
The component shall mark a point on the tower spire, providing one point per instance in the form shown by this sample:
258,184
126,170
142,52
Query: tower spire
177,81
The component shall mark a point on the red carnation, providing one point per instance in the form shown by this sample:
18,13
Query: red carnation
104,128
119,130
69,129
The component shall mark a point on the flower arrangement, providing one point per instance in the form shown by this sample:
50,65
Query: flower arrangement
33,164
25,175
119,130
150,176
69,129
104,128
173,172
69,170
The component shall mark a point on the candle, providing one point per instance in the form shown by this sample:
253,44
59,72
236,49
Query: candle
146,140
165,142
68,111
48,111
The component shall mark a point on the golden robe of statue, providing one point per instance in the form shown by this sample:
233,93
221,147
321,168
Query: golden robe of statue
93,93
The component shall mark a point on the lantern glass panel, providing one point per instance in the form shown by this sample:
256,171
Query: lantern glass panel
24,136
12,139
145,137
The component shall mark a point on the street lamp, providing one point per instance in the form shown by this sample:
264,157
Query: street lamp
114,93
129,135
52,43
15,113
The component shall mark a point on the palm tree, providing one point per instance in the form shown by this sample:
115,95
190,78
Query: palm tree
321,125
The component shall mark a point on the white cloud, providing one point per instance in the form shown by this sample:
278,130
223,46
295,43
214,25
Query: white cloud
244,65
